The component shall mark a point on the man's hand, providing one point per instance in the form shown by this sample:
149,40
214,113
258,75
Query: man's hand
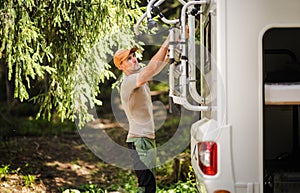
187,32
177,35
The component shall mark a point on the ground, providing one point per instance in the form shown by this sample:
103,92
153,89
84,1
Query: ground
35,162
54,162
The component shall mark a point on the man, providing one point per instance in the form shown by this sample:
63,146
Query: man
137,104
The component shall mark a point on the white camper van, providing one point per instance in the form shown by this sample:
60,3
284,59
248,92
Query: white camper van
252,144
247,138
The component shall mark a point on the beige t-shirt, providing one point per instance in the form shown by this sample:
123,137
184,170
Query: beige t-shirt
138,107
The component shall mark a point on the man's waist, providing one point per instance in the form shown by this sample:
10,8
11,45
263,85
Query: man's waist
140,135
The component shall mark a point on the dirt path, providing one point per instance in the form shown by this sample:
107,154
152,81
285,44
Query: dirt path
55,162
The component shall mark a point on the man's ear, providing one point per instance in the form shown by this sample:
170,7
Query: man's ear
121,67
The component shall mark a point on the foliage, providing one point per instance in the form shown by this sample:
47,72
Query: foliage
90,188
13,178
28,126
127,183
29,179
180,186
30,176
63,48
4,171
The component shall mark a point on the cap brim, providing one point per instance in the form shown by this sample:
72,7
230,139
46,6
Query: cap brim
132,50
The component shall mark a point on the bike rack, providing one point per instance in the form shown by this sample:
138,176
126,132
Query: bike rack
184,78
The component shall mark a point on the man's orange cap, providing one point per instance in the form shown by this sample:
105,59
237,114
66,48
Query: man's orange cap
122,55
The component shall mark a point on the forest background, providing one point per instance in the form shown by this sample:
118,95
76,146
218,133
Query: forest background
50,79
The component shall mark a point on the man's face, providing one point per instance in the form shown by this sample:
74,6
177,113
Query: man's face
131,64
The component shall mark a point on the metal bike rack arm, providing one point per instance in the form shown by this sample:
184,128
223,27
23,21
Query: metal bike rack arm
138,23
192,61
152,4
147,14
182,100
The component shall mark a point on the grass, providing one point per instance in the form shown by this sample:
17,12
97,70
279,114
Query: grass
122,181
16,177
128,183
29,179
4,171
28,126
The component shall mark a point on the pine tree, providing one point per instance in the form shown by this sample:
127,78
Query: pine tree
65,46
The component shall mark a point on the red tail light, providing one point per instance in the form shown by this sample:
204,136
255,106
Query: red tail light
208,157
